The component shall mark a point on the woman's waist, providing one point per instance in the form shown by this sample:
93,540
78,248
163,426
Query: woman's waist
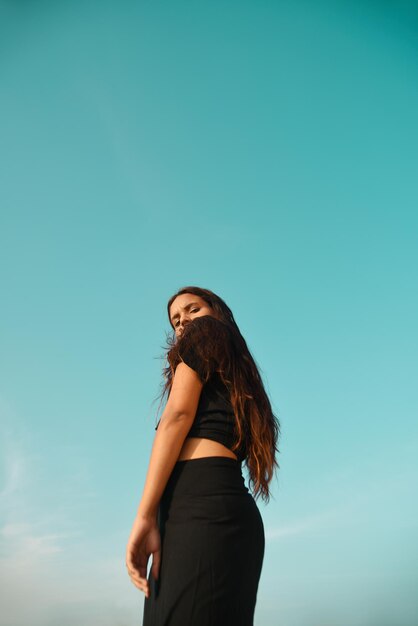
205,476
205,445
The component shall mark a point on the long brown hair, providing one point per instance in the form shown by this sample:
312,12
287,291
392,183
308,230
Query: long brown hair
257,426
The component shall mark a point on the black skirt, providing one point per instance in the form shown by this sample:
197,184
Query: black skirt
212,548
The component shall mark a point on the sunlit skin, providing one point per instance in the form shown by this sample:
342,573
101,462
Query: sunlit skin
170,445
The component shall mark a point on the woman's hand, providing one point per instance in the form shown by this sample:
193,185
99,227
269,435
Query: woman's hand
144,540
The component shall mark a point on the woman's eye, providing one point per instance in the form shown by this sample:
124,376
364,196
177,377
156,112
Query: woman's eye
195,310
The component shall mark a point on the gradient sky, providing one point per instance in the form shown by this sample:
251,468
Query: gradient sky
267,151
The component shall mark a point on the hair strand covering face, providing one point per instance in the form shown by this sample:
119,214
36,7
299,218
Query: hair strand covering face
205,346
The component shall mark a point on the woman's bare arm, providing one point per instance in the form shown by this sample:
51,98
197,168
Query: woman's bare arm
176,421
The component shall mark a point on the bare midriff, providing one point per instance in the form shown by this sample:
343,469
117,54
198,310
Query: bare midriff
198,447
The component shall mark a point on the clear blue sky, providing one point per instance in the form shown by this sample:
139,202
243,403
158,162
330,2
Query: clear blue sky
267,151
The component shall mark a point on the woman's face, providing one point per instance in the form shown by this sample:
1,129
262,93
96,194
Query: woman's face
185,308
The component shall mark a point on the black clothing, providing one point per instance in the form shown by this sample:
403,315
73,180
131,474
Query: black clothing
212,548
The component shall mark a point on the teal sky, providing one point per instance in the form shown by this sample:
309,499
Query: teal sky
267,151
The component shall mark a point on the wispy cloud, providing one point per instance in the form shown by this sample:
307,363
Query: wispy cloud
22,540
28,532
49,570
13,476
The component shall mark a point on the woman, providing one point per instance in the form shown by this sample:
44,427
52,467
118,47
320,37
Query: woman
196,516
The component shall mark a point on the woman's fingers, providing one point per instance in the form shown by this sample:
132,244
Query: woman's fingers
137,564
138,577
138,581
143,588
135,575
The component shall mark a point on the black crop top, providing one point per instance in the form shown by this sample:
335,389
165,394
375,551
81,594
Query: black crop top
200,348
